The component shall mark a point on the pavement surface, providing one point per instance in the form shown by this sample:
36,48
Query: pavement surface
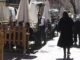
48,52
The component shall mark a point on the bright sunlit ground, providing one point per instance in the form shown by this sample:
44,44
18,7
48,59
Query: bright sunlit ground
52,52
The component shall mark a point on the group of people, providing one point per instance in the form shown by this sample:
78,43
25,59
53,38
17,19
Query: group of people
68,33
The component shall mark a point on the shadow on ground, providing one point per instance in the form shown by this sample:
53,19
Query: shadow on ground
63,59
18,56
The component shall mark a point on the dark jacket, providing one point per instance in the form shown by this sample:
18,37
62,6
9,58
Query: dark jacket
76,27
65,27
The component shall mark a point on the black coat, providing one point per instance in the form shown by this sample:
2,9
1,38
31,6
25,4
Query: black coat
76,27
65,27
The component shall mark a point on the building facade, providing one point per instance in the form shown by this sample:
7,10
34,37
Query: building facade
13,3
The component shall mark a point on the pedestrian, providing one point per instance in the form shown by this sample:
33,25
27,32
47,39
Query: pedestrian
65,27
30,36
29,33
76,31
42,30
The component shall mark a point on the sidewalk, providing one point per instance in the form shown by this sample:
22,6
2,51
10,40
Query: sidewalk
48,52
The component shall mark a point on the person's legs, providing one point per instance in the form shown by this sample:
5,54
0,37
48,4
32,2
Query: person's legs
79,39
68,52
43,35
64,49
40,36
75,38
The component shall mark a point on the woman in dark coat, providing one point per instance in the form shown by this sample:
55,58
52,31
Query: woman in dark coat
65,28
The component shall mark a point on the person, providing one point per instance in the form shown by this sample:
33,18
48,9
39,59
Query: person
41,26
29,31
48,29
30,35
76,31
65,28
